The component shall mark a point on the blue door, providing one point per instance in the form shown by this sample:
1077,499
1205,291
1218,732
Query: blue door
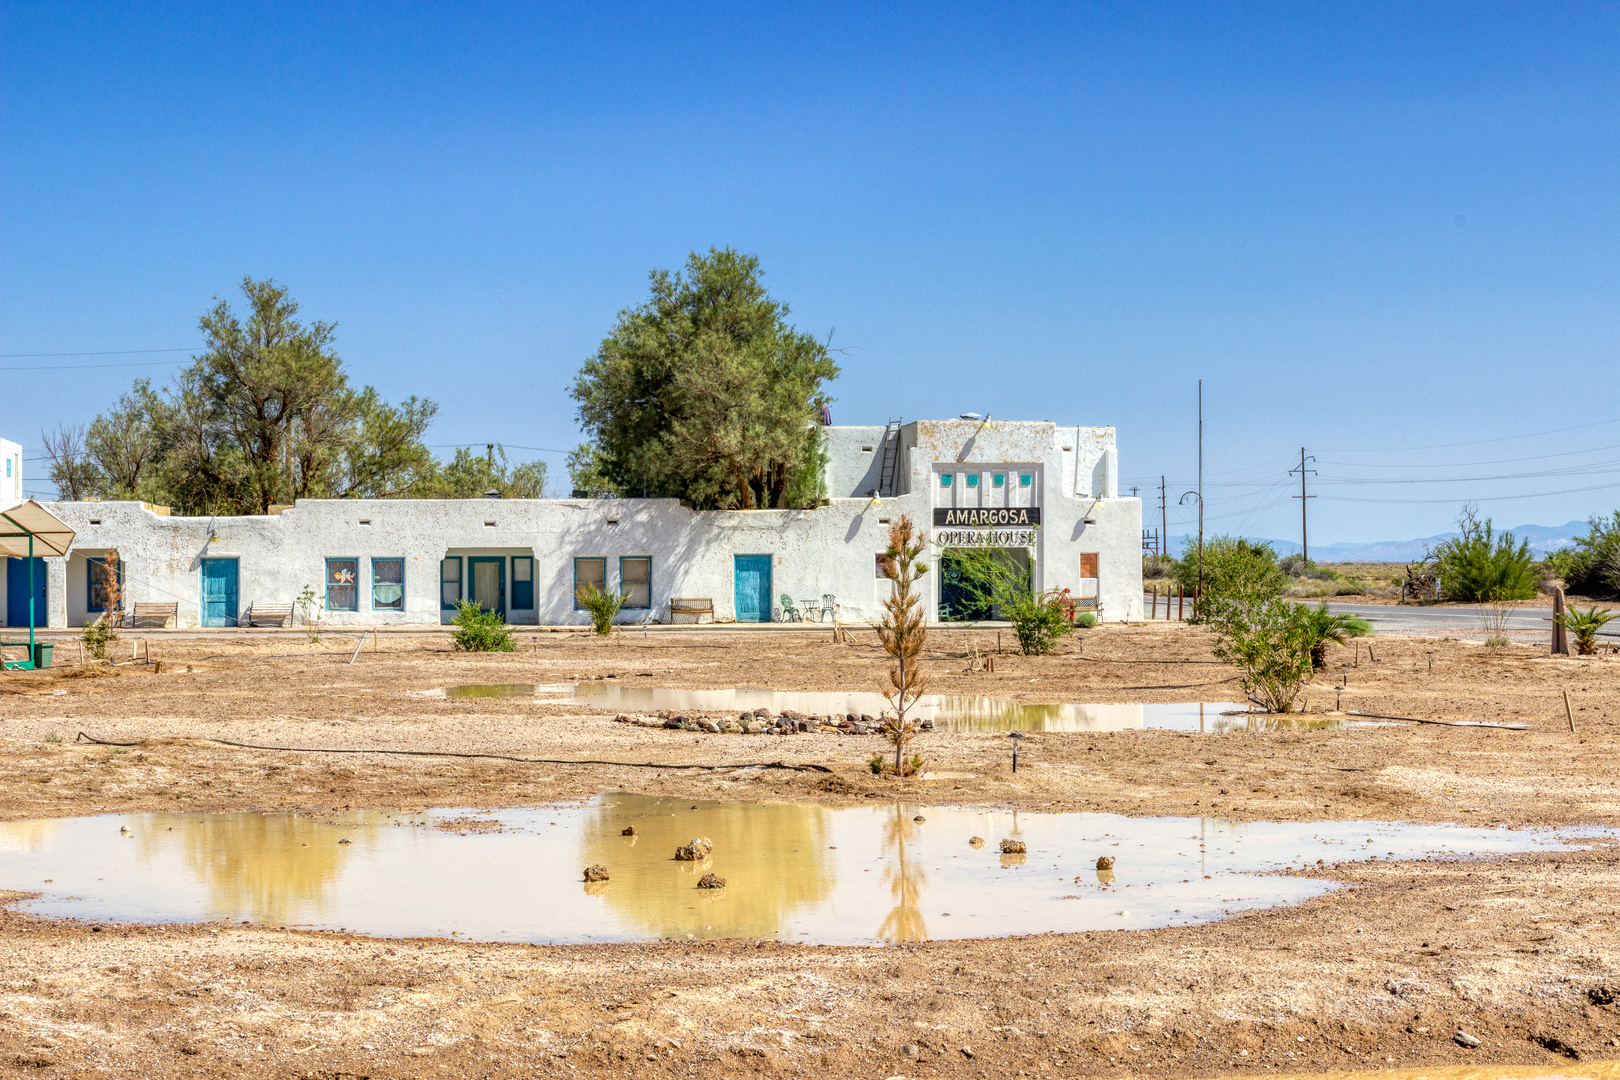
753,588
219,592
17,592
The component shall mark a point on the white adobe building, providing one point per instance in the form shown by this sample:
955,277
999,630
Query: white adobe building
1035,488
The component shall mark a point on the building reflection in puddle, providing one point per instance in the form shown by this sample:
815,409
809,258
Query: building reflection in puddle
794,871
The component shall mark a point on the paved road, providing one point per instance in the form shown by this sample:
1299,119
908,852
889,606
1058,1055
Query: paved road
1463,622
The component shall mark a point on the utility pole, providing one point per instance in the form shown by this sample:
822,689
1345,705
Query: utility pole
1164,520
1304,533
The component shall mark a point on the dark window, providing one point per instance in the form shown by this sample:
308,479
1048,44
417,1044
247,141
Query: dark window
388,584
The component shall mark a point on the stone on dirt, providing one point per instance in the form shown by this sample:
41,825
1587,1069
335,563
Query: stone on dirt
1462,1038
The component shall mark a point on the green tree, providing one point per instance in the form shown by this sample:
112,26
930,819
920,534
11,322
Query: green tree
705,393
469,476
1592,566
1234,569
1484,567
267,415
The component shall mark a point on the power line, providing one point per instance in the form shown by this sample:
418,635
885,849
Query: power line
84,367
107,352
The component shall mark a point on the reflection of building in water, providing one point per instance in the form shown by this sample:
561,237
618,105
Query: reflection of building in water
272,866
27,837
773,856
906,879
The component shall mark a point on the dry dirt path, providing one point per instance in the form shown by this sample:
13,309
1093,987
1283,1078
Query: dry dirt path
1380,972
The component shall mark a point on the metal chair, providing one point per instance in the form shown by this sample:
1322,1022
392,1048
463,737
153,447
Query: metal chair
789,612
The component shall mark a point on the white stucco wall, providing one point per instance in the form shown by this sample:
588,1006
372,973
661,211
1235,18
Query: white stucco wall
830,549
11,466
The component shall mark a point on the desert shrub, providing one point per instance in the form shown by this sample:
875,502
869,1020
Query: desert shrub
1085,620
603,606
1235,569
1349,588
1483,566
1269,641
478,630
1157,567
1039,621
1592,566
1584,625
1310,588
98,636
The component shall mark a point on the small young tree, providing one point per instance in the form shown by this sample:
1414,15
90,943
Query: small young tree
1270,641
902,632
99,635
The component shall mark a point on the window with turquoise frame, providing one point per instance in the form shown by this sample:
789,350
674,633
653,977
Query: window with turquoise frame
589,571
998,480
1024,479
523,582
96,583
342,584
945,479
388,584
450,582
973,479
635,581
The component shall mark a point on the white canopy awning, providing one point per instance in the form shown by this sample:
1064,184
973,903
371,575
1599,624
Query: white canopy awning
27,518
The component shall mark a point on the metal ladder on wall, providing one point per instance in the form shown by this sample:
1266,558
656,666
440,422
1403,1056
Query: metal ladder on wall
891,458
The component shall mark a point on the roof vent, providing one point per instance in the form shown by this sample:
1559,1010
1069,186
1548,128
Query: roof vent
492,494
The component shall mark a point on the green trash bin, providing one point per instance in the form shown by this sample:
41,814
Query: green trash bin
42,653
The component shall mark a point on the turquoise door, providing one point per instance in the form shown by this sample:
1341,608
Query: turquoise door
753,588
17,592
219,592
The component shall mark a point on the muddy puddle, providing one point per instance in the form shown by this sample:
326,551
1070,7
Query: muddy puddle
948,712
793,871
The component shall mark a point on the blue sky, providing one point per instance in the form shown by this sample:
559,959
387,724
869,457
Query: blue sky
1374,230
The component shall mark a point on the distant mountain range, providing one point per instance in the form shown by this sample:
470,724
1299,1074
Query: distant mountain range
1542,538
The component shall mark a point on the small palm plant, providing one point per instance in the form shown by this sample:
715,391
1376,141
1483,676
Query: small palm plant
603,606
1584,625
1321,628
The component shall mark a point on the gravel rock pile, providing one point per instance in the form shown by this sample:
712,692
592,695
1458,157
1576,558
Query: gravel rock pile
762,722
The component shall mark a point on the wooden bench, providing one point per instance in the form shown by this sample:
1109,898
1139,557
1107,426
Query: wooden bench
155,616
695,606
268,615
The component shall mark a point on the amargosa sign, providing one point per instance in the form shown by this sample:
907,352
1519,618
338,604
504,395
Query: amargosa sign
986,517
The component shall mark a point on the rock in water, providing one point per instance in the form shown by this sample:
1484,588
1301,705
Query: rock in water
596,873
711,881
1012,847
696,851
628,830
976,841
919,819
1105,862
